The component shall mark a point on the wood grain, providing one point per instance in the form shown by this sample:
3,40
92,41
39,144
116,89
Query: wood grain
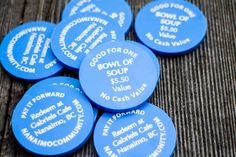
197,90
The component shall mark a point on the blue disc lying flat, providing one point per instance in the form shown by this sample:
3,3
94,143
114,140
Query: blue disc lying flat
26,52
76,36
52,121
118,10
147,131
69,82
171,27
119,76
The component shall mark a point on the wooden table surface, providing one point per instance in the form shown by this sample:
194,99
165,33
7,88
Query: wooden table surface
197,90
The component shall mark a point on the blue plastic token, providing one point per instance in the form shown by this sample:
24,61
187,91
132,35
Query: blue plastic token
143,132
61,81
119,76
26,52
52,121
76,36
119,10
171,27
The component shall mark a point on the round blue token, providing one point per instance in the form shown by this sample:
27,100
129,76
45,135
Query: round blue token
168,27
118,10
26,52
61,81
119,76
52,121
76,36
147,131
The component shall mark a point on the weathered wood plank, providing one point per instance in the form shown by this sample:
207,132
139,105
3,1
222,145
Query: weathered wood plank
197,90
11,17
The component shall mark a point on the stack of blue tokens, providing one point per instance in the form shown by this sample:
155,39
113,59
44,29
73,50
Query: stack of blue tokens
57,115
